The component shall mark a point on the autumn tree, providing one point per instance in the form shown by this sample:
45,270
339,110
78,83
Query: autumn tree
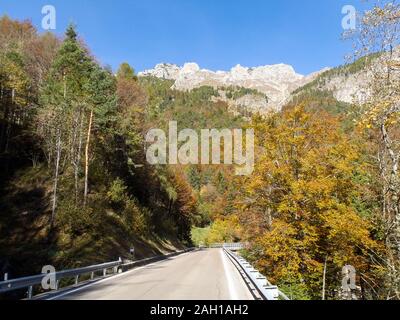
14,92
131,104
125,71
25,58
62,117
183,207
378,36
299,205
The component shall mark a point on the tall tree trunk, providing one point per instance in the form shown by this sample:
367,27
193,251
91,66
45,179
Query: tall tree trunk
5,116
58,156
170,207
78,157
87,158
324,280
4,127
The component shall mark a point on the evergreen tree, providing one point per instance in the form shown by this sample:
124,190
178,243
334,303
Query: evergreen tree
101,109
125,71
63,100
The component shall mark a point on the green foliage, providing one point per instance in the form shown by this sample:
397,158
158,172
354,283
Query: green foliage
118,192
236,93
226,230
90,126
320,100
101,88
295,290
345,70
75,220
311,198
125,71
200,236
204,93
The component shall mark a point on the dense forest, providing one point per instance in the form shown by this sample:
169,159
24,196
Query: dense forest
75,186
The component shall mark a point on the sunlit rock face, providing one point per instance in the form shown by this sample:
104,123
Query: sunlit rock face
163,71
276,82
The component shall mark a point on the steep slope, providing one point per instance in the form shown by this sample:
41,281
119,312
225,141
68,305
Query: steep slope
272,86
275,82
347,83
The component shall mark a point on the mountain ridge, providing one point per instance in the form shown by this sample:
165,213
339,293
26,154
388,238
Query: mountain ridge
276,82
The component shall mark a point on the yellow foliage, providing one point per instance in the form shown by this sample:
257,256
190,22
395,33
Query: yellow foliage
224,230
301,197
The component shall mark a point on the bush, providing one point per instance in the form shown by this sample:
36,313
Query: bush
117,193
75,220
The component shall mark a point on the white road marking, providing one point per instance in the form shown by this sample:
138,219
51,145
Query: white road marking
229,277
110,278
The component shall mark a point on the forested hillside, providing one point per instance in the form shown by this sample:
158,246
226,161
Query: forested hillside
76,187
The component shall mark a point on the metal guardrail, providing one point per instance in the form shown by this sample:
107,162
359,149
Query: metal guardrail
265,289
116,266
231,246
29,282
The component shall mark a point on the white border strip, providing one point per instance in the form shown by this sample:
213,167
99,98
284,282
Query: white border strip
229,277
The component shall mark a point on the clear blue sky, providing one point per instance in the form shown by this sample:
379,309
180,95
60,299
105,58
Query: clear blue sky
217,34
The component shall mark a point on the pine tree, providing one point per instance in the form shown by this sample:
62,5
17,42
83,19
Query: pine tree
63,101
125,71
101,107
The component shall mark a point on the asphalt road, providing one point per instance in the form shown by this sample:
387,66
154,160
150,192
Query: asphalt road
200,275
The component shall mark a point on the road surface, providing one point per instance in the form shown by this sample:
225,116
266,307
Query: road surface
200,275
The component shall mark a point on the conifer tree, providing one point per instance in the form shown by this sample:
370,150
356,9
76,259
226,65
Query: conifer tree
63,101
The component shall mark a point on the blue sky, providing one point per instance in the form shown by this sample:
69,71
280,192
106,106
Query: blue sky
217,34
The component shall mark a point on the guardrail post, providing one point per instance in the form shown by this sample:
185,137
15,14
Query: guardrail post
30,292
28,283
260,283
273,291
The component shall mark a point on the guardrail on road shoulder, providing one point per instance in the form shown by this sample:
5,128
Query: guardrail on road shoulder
230,246
116,267
29,282
265,289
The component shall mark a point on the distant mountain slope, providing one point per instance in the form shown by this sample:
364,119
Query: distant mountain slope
275,82
271,87
347,83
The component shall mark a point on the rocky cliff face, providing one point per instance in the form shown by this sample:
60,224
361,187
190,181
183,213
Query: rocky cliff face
346,84
352,83
276,82
163,71
349,89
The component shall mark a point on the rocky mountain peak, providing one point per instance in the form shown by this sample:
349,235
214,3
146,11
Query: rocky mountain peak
190,67
277,81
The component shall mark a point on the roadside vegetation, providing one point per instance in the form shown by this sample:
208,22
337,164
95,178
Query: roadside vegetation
76,188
